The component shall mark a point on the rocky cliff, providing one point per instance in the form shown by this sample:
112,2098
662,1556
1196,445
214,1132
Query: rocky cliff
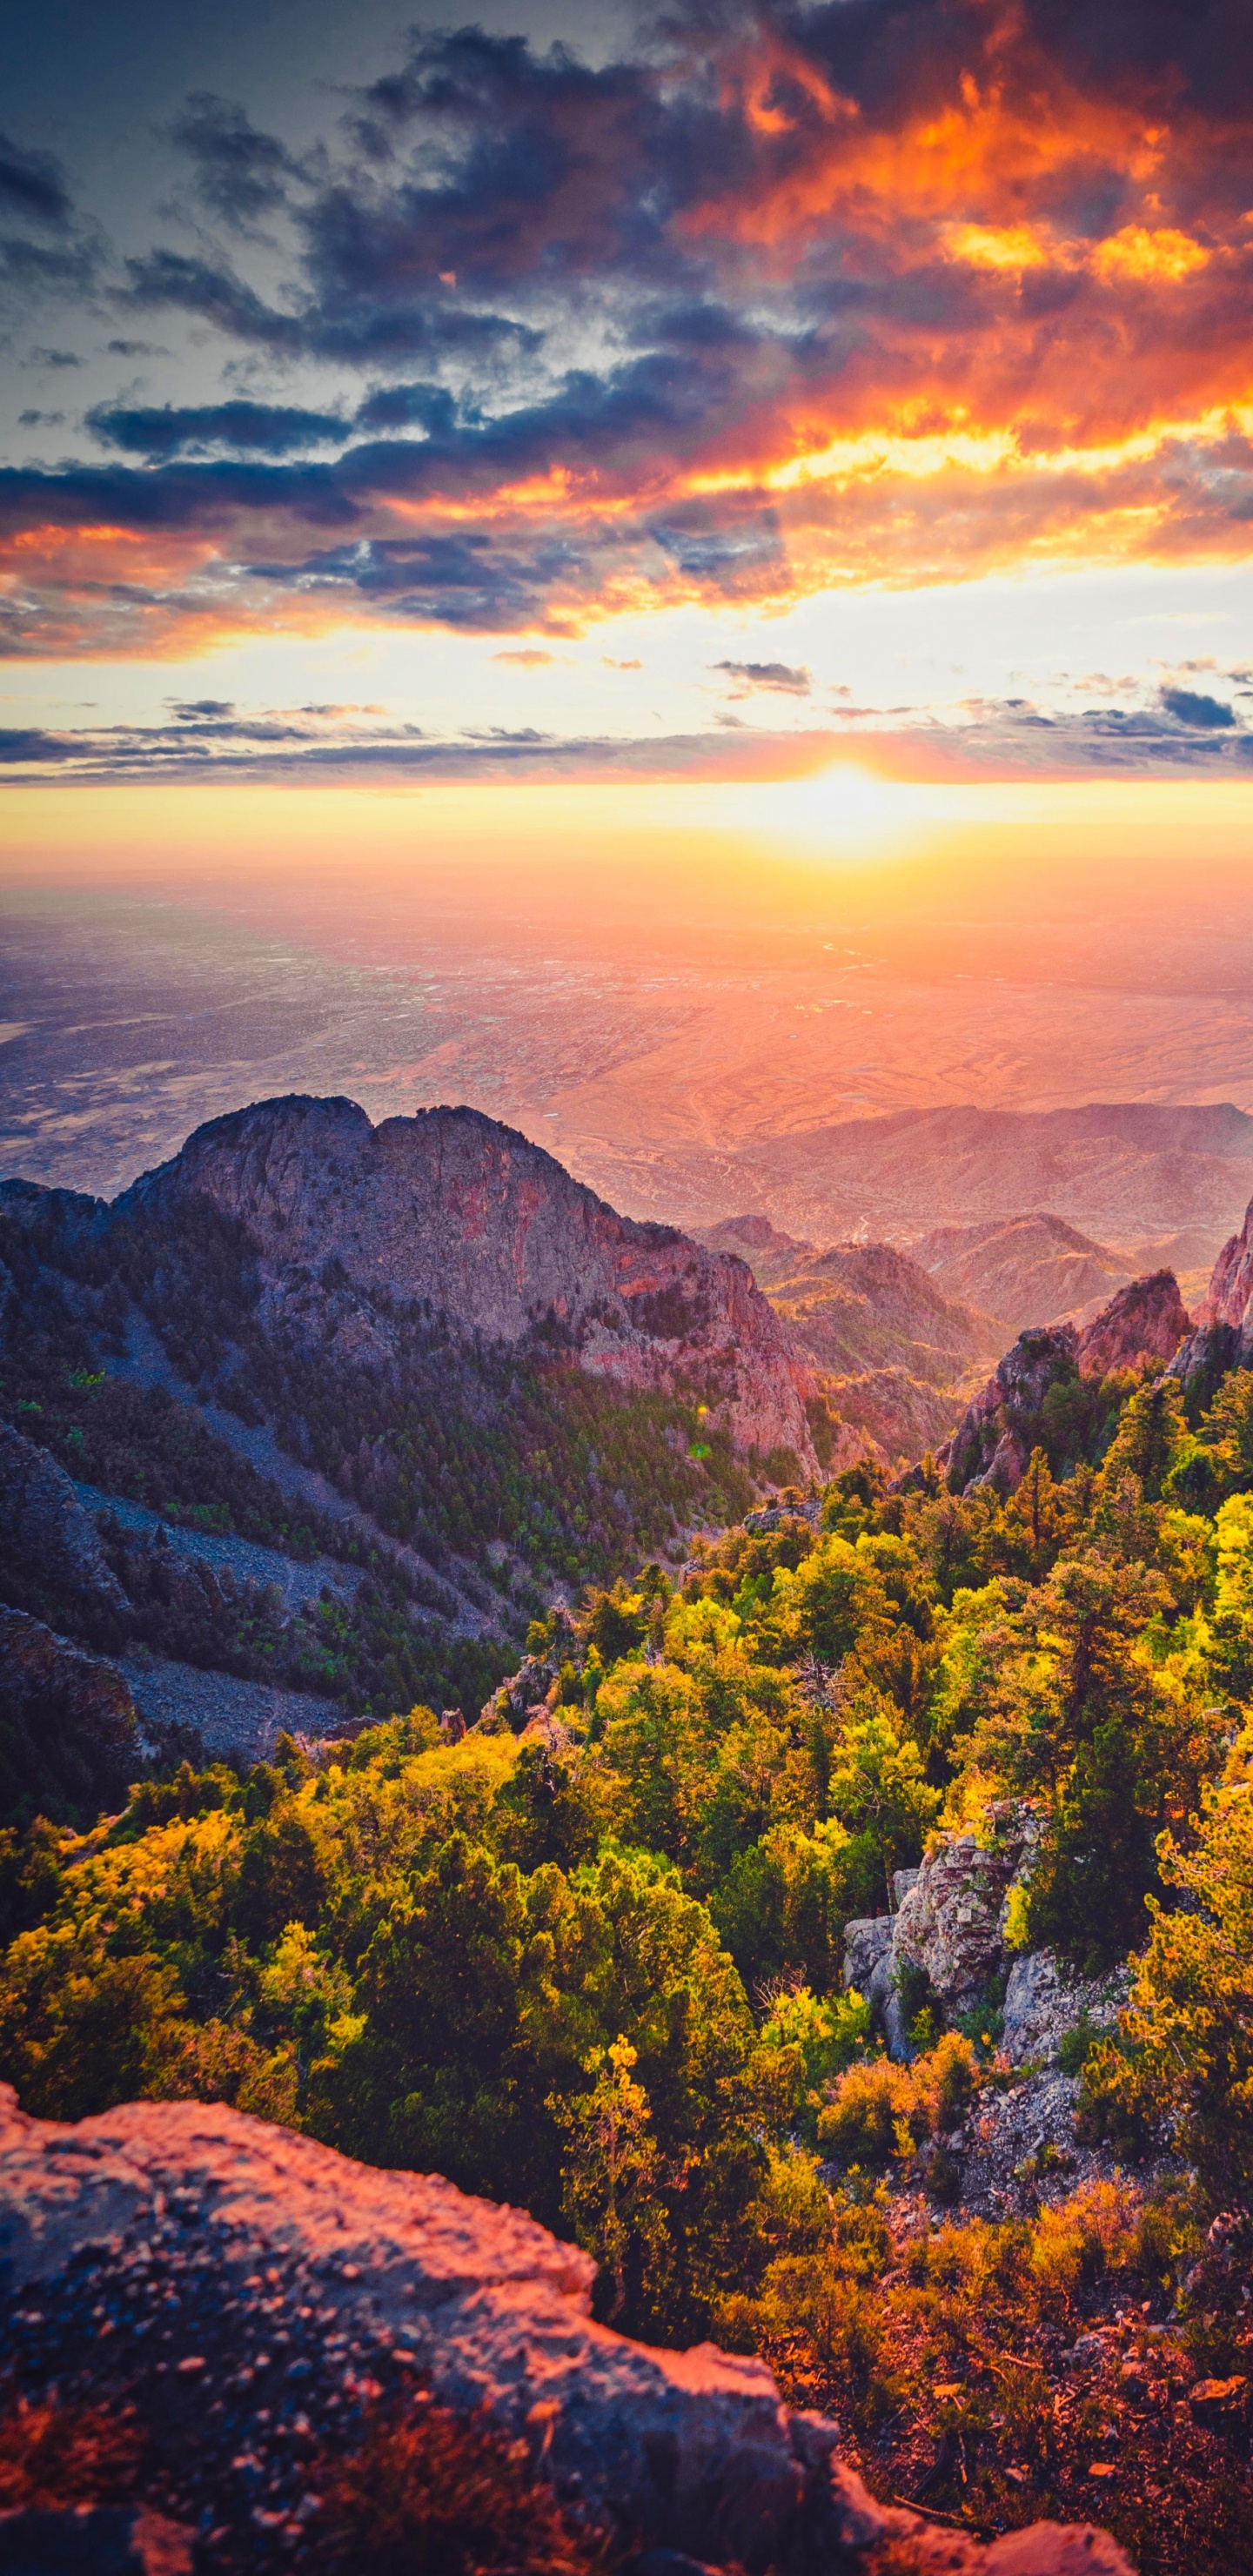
452,1210
290,2287
1146,1320
1224,1326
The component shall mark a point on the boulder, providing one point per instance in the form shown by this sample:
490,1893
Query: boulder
950,1922
1042,2004
377,2278
867,1939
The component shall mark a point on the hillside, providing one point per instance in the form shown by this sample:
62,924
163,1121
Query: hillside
418,1358
891,1351
842,1937
1127,1173
1024,1270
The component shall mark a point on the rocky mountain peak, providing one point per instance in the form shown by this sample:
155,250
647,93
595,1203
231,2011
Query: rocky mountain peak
1146,1320
451,1211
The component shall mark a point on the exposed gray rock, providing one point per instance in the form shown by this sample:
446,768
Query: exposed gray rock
866,1941
691,2451
1042,2004
950,1921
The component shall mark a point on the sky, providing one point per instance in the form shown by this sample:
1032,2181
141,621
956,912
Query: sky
674,575
736,395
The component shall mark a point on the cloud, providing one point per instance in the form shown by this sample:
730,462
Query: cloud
263,429
52,251
526,660
32,184
779,676
212,739
240,173
40,419
770,306
1209,714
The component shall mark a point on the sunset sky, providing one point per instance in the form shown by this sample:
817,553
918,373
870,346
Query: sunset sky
671,577
712,396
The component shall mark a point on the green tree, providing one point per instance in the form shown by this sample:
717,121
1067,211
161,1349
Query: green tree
610,2175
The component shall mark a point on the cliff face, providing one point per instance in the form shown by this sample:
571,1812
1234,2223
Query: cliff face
450,1207
308,2279
1224,1325
991,1445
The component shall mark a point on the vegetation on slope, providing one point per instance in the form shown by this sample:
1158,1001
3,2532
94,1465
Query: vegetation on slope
595,1968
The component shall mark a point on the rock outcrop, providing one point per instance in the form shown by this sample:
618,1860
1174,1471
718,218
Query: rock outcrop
48,1543
1042,2004
1146,1320
69,1737
1224,1326
337,2273
450,1209
950,1922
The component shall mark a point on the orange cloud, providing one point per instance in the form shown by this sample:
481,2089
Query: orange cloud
876,333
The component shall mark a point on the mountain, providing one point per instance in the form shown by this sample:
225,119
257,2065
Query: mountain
1018,1410
450,1212
1122,1172
890,1351
1024,1270
316,1415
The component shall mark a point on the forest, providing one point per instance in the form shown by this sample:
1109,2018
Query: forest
594,1966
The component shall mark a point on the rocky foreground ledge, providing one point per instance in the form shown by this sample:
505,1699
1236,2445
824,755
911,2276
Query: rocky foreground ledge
241,2286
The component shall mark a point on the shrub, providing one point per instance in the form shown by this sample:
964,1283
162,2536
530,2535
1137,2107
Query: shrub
869,2115
429,2491
54,2455
881,2110
1093,2232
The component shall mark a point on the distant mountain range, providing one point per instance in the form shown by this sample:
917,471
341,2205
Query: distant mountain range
1125,1173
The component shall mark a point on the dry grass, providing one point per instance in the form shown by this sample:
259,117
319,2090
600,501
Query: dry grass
61,2455
431,2495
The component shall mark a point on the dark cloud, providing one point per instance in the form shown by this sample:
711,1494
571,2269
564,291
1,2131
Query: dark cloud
629,306
1192,708
768,675
241,174
429,407
356,330
40,419
212,294
53,358
137,349
262,429
23,745
32,184
187,709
